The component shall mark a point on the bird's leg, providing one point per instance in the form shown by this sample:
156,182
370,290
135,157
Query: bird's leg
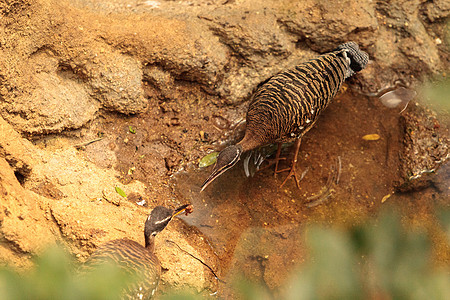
275,160
292,171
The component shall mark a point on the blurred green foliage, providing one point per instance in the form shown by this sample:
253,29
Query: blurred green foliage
377,260
55,276
436,93
436,90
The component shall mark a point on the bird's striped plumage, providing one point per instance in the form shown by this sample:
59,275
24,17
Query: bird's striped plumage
288,104
138,262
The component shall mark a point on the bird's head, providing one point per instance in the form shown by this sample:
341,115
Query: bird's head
159,218
357,59
227,158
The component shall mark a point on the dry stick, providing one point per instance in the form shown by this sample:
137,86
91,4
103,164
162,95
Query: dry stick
212,271
332,179
325,189
323,197
81,145
339,169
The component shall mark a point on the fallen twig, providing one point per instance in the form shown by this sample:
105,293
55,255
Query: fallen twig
81,145
327,190
212,271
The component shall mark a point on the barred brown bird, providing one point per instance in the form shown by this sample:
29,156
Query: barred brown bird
136,260
288,104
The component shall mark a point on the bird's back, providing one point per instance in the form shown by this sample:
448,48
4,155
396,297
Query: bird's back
288,104
135,260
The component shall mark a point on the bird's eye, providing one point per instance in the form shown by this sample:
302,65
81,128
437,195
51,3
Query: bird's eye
153,233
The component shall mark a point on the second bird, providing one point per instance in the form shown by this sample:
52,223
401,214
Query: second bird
288,104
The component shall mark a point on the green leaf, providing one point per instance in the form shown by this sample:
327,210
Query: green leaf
131,129
208,160
120,192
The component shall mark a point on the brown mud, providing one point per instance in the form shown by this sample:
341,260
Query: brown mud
256,226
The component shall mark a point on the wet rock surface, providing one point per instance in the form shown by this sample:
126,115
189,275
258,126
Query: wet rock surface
426,148
98,94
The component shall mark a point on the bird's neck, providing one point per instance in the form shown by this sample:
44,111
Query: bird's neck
150,243
249,142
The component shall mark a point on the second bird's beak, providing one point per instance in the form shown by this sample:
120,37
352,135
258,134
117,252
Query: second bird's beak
187,208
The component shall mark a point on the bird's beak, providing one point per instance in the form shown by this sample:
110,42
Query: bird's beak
215,173
227,158
184,208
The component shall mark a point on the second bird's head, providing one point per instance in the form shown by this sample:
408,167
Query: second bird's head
159,218
227,158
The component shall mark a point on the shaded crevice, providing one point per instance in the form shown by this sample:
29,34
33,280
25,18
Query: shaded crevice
21,169
20,177
11,245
